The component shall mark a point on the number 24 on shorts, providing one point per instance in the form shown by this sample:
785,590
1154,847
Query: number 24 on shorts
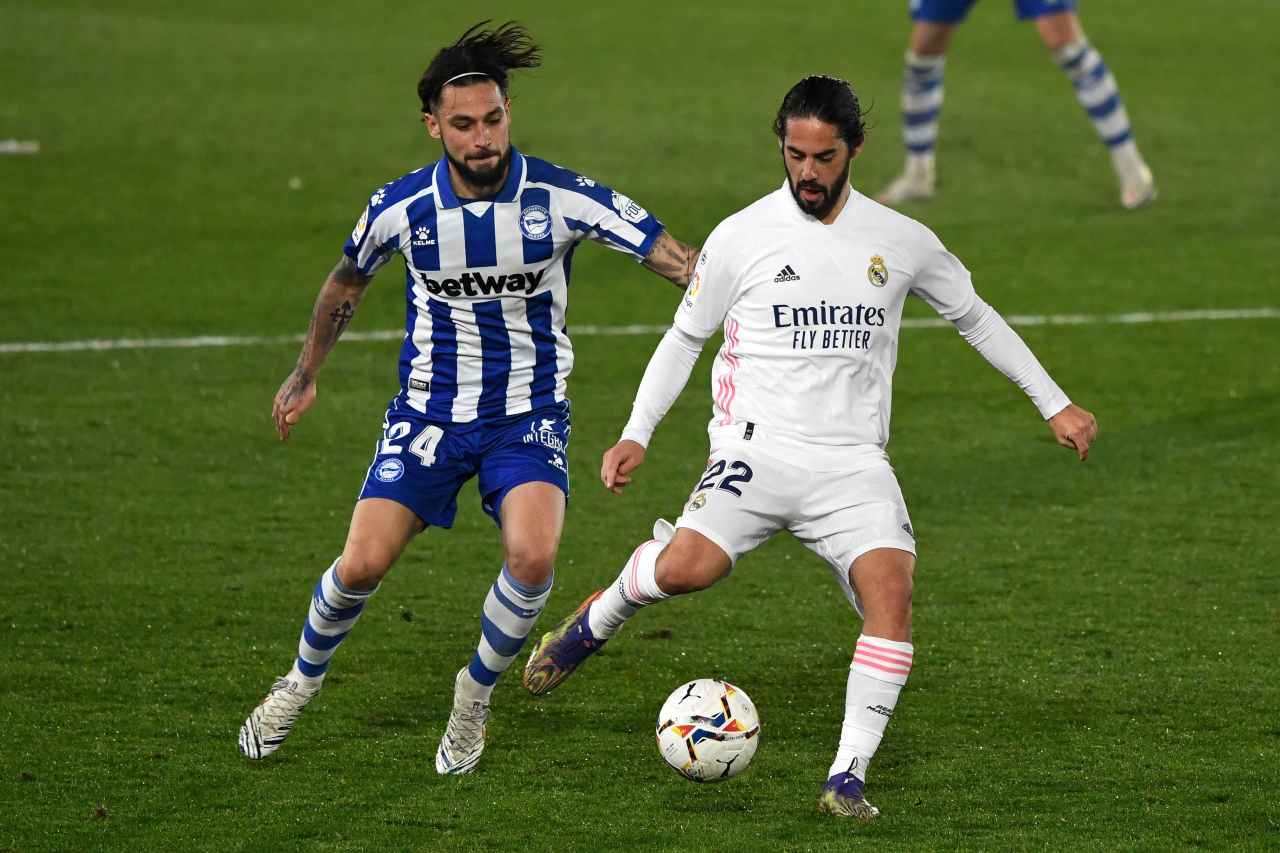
726,483
423,447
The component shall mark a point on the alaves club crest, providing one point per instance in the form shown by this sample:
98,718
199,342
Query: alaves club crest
877,273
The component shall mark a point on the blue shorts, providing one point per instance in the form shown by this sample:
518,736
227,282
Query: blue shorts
423,464
954,11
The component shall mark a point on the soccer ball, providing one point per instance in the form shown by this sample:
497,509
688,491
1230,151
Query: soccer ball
708,730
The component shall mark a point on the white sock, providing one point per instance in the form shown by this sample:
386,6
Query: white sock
306,682
636,586
1126,160
876,677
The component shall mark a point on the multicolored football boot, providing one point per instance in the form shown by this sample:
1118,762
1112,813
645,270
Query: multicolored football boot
561,651
842,797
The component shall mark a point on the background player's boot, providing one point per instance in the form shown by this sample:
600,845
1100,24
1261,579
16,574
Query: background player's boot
842,797
917,181
463,739
1137,185
561,651
270,723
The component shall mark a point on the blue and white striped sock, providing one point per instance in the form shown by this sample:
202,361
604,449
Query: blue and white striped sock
334,609
1096,90
921,103
510,611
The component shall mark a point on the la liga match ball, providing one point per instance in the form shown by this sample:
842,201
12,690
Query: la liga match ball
708,730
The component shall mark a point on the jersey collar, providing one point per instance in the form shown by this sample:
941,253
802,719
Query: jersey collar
800,216
515,177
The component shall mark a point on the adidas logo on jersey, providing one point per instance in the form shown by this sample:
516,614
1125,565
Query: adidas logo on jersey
787,274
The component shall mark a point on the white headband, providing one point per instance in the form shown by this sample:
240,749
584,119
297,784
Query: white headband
463,74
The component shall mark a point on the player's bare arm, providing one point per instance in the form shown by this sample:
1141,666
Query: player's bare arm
1075,428
335,306
618,463
672,260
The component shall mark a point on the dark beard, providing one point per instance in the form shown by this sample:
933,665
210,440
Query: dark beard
830,195
489,181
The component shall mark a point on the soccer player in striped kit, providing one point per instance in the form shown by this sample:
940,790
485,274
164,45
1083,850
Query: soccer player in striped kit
808,284
1060,30
487,235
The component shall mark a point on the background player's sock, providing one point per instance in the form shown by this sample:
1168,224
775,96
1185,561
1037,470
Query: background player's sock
1096,90
876,677
635,587
510,610
921,107
334,610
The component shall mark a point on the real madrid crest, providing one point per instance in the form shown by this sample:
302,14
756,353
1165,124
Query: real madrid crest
698,502
877,273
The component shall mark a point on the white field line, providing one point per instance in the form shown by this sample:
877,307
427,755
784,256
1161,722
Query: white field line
1138,318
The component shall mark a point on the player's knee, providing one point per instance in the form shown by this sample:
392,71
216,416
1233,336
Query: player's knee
1058,31
363,565
929,38
679,571
531,563
886,589
898,588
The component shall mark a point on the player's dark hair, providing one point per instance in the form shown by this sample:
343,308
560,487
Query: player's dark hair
828,99
482,55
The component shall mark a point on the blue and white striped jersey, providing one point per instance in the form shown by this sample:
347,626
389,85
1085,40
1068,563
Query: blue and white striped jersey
487,281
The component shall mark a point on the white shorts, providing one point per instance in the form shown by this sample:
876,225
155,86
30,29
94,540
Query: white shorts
745,495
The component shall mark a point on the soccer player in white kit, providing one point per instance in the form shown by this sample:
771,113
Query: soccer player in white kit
808,284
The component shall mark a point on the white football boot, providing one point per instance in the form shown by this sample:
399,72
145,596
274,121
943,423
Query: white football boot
270,723
1137,185
917,182
463,739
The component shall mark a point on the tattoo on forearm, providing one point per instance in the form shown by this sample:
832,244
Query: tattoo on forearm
672,259
341,316
345,283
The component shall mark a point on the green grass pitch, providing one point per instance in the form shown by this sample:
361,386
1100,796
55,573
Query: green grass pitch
1096,643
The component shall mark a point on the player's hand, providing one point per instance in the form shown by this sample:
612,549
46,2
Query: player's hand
1075,428
295,396
618,463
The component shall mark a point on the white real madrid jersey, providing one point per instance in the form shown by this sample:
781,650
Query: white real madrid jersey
487,281
811,314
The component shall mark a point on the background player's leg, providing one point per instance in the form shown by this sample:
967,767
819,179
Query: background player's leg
883,580
688,562
380,529
1098,94
922,92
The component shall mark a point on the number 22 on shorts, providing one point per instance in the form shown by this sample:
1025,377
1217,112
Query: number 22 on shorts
740,473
